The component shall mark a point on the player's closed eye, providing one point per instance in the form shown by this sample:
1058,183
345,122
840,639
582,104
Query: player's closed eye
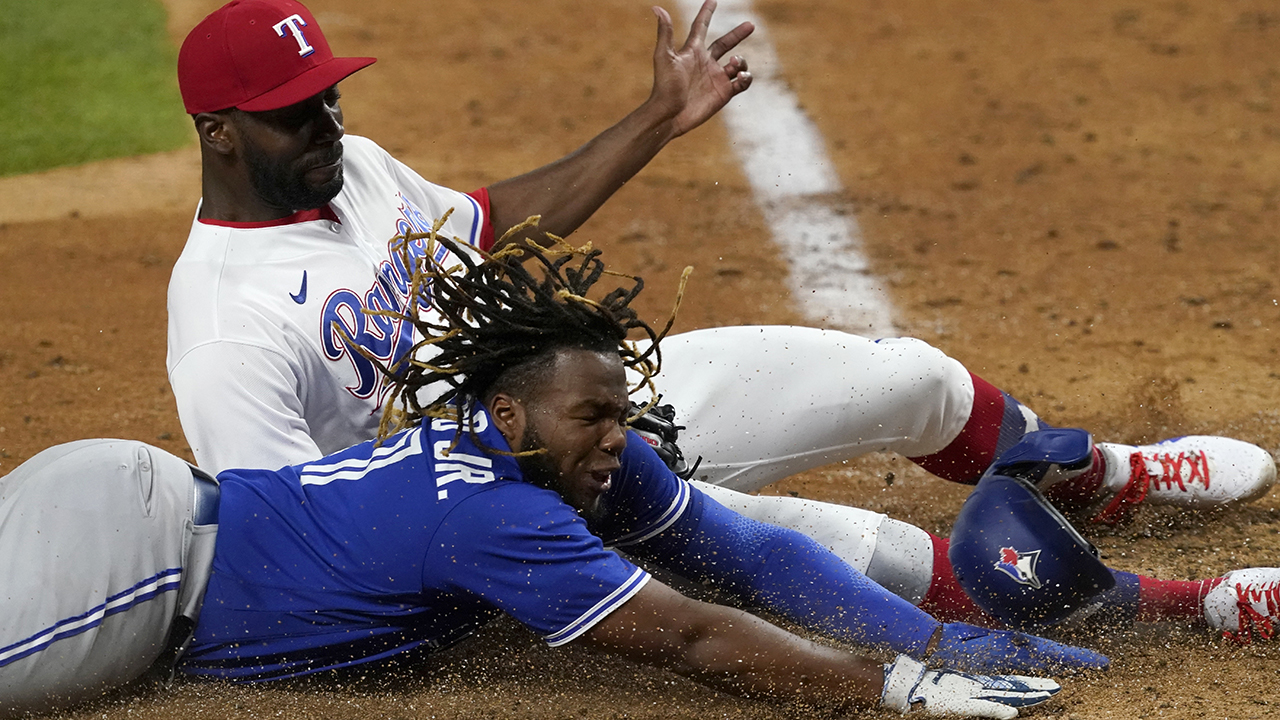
601,416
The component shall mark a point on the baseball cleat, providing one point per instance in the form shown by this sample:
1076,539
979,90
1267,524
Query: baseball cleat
1192,471
1245,604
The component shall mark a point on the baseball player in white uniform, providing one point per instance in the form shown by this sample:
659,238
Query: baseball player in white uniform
275,340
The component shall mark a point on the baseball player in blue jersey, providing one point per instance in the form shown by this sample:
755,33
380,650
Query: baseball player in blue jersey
501,497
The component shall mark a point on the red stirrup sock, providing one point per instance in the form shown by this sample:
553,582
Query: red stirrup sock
968,456
945,600
996,422
1136,598
1172,599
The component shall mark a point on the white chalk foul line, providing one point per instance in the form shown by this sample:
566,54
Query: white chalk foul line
791,177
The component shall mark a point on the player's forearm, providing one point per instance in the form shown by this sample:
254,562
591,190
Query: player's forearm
800,580
748,656
734,651
568,191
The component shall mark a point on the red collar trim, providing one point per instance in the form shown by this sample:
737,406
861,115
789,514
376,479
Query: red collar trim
324,213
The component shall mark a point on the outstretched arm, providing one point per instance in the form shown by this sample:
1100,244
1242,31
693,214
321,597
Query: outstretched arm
734,651
789,574
689,86
742,654
786,573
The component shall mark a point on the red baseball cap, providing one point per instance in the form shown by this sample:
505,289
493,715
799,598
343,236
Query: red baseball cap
258,55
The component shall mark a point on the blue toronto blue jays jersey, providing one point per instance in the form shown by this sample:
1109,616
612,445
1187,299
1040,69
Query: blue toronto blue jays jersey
385,548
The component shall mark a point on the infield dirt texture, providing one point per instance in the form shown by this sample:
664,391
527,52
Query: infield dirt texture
1078,199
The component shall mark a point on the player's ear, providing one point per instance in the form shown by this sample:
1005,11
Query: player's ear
215,131
509,416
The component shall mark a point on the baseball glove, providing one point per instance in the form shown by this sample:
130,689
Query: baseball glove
658,427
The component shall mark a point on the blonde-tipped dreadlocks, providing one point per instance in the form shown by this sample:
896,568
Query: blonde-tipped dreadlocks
498,314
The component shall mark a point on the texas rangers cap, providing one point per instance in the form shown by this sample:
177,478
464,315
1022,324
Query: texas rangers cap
258,55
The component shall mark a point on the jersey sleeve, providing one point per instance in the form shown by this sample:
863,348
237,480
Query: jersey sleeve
239,407
521,549
646,497
786,573
487,236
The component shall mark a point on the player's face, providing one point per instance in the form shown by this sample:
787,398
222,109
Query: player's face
294,154
576,415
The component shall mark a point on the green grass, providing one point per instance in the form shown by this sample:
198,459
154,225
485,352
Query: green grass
84,80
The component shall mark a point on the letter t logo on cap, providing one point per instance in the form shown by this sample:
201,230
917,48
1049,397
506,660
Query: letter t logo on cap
295,23
230,59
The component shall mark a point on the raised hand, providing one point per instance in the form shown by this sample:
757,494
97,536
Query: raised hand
689,84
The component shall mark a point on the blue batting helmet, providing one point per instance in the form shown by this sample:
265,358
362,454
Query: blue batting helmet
1012,551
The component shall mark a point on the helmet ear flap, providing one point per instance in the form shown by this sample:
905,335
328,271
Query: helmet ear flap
1014,554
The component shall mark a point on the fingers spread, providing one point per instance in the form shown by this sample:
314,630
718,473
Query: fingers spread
730,40
737,64
664,28
698,31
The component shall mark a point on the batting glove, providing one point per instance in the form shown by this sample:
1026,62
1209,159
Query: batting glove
908,686
975,649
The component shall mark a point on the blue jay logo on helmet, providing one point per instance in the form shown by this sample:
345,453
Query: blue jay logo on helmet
1014,554
1021,566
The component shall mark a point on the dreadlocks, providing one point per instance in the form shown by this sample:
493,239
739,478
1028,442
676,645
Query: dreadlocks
498,317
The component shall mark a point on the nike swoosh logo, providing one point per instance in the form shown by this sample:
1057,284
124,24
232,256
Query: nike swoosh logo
301,296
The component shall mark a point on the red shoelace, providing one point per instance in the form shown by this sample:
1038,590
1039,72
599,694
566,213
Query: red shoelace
1134,492
1250,618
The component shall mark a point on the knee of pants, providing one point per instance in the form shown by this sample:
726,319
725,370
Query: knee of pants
937,388
902,560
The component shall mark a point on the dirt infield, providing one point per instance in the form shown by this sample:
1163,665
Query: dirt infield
1079,200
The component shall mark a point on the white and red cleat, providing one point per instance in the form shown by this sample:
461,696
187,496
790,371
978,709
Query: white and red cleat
1245,604
1194,471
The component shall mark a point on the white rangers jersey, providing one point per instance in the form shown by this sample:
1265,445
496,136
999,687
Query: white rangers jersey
263,316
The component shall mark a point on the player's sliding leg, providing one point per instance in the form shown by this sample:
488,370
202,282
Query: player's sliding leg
761,403
913,564
1193,471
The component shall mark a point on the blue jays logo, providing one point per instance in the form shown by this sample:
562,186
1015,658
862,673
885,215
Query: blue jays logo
1021,566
